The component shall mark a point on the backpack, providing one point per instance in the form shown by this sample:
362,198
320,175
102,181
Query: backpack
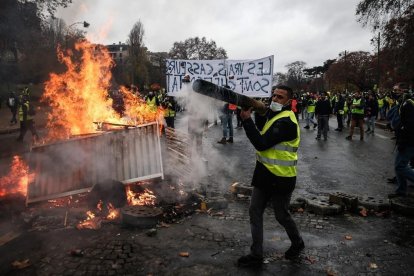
393,116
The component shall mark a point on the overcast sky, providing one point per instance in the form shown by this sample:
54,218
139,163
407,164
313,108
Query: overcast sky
291,30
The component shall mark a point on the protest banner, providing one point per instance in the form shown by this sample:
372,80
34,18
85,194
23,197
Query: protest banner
252,78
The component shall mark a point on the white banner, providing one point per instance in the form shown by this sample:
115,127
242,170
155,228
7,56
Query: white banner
252,78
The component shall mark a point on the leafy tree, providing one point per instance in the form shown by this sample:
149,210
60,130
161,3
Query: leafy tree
353,70
395,21
22,37
315,76
196,48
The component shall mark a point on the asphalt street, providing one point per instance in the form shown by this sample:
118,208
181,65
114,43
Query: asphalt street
343,244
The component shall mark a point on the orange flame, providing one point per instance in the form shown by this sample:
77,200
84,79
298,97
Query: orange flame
18,178
136,109
113,213
79,97
146,198
91,222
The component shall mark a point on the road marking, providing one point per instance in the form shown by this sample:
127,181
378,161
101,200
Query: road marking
382,136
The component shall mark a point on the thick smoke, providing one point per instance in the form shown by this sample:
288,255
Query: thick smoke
212,168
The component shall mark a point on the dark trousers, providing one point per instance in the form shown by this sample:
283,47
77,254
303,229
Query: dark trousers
357,120
14,112
323,126
280,203
27,125
169,121
239,119
339,118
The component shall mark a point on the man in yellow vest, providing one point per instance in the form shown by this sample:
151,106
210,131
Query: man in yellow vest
152,101
310,112
357,117
26,119
169,111
275,136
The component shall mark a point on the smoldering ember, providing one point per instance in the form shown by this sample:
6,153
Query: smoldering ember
115,179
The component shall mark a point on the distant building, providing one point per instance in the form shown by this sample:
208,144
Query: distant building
119,52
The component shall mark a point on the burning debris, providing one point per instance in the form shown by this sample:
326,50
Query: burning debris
145,197
17,180
80,96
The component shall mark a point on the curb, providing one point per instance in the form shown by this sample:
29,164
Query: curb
9,130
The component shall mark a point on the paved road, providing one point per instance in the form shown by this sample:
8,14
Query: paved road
346,244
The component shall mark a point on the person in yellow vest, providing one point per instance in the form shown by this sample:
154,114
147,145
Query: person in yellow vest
382,106
152,101
276,136
26,119
310,112
358,114
169,111
339,110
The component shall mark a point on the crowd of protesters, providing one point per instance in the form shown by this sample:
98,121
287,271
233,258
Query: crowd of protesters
351,109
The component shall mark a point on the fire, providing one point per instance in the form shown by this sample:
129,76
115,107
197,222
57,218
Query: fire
113,213
137,111
145,198
91,222
18,178
79,96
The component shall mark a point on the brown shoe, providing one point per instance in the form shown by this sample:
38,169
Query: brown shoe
230,140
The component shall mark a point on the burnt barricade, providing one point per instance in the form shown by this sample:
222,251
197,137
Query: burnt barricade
75,165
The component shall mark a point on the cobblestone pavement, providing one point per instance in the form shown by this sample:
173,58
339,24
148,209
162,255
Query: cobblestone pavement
346,244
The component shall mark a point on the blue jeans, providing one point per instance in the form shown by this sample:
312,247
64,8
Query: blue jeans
371,123
402,169
383,112
227,122
309,118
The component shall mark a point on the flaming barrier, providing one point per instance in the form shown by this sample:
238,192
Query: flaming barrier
73,166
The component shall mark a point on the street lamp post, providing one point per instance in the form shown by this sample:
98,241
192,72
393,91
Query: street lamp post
84,23
346,70
378,59
378,62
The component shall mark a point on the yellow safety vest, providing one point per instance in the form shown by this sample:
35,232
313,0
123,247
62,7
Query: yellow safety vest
357,110
380,103
282,158
169,112
152,103
311,106
28,117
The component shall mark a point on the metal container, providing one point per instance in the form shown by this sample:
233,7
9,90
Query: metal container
74,166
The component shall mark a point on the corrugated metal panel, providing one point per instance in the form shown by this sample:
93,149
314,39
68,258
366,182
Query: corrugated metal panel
75,165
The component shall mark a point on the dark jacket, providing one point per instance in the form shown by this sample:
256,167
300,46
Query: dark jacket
339,104
371,107
323,108
405,136
281,130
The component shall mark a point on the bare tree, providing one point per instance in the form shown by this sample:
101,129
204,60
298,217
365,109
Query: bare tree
54,31
138,60
295,75
196,48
